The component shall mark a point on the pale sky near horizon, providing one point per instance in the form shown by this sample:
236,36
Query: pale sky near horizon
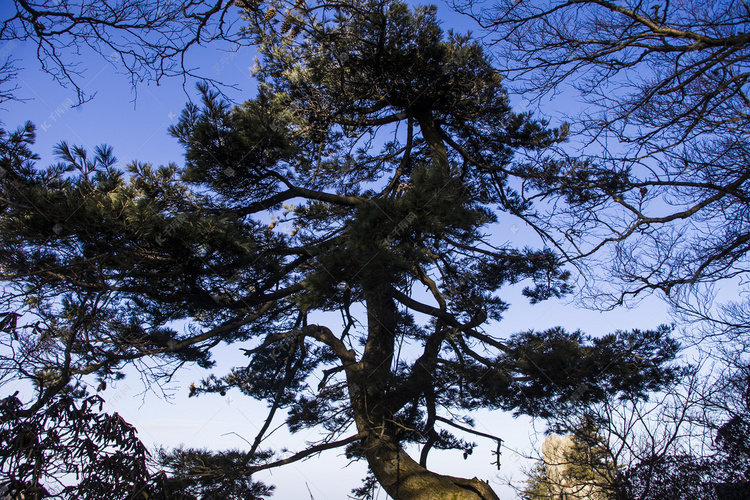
138,131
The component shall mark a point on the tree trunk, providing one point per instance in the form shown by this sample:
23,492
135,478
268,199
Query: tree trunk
400,476
404,479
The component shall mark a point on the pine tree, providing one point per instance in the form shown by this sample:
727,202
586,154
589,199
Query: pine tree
591,464
576,466
364,179
538,485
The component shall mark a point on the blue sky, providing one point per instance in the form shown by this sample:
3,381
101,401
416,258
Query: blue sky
136,126
134,122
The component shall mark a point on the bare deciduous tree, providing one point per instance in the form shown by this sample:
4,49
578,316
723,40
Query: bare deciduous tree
665,186
149,39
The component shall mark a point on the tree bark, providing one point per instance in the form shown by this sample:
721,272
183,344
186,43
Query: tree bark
401,476
434,139
404,479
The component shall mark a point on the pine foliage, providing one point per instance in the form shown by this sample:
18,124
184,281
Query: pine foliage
365,178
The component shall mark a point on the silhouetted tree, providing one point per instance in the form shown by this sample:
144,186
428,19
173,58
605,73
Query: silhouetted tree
147,40
69,437
660,199
363,180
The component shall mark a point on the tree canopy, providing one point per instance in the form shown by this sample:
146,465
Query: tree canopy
652,196
385,148
660,193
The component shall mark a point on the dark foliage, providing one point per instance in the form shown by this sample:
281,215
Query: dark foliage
363,179
70,440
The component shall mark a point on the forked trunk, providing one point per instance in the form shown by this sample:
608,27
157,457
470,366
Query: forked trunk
400,476
404,479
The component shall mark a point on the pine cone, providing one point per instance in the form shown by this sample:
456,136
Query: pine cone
270,14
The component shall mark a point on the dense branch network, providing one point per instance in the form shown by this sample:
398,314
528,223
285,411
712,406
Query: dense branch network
147,40
362,180
663,191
